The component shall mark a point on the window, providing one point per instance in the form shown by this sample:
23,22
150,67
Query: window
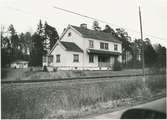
103,45
75,58
50,59
91,58
91,45
106,45
115,47
57,58
69,34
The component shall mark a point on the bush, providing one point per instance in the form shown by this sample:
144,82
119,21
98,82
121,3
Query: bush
55,69
117,65
132,64
45,69
156,83
31,69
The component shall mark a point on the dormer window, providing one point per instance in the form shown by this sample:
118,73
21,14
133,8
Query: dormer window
69,34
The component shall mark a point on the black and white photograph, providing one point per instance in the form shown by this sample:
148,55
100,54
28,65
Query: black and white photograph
83,59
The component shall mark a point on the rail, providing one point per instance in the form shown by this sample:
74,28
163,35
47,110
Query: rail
71,78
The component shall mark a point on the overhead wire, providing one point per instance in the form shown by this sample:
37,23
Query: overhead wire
82,15
93,18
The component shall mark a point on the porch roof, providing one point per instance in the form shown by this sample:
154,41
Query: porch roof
103,52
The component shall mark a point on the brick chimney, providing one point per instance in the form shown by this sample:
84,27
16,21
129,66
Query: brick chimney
83,25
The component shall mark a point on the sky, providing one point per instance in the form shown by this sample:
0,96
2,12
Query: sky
25,15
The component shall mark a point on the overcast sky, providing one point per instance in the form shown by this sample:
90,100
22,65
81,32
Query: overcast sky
25,15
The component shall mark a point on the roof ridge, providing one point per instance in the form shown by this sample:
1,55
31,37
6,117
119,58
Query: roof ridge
90,29
99,35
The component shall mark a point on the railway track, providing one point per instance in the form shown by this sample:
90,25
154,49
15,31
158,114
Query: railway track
72,78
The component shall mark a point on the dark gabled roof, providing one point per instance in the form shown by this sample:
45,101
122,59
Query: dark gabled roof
70,46
99,35
103,52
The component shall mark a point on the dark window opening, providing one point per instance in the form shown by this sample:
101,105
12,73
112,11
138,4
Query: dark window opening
104,45
75,58
69,34
50,59
57,58
115,47
91,58
91,45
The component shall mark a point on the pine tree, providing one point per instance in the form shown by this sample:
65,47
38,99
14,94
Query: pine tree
51,36
150,56
37,50
14,39
123,36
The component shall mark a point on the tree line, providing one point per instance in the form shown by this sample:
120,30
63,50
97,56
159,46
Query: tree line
27,46
32,47
154,56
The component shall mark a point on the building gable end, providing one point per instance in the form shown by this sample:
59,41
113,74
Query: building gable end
69,27
57,43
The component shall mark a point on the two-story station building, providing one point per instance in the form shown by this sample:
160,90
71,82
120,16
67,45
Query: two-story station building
80,48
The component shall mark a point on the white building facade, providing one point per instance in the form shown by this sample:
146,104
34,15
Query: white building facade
80,48
19,64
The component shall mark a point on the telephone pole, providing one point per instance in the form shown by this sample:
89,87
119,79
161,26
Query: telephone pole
141,32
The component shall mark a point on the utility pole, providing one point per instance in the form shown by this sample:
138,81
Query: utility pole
1,32
141,32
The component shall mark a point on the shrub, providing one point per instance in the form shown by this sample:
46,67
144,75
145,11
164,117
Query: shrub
55,69
31,69
132,64
156,83
117,65
45,69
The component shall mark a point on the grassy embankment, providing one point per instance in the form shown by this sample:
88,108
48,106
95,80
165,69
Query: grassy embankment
72,99
26,74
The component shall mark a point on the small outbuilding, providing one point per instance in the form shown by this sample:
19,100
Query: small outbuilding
19,64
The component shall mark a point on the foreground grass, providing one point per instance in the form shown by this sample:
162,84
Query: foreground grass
72,99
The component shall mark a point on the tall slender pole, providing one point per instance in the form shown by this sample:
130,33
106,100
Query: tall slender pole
1,33
141,32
